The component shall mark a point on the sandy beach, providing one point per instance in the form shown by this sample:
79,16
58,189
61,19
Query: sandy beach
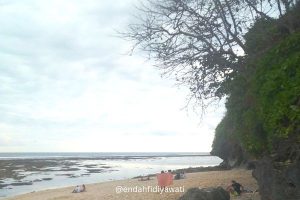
107,190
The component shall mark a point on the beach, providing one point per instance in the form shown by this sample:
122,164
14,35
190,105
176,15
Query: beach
27,172
107,190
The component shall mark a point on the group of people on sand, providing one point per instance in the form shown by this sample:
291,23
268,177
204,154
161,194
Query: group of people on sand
177,176
166,179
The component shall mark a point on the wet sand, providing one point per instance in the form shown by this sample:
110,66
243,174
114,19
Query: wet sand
107,190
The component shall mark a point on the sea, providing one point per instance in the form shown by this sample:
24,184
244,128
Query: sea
30,172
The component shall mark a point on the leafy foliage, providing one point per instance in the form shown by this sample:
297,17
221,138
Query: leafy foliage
264,102
277,84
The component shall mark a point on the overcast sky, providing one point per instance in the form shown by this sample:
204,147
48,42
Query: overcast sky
67,84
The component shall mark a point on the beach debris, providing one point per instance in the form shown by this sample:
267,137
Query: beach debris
206,194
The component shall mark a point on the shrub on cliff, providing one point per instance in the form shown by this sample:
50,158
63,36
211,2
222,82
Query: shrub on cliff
263,104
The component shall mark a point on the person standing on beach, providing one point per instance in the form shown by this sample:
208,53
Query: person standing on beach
164,179
170,177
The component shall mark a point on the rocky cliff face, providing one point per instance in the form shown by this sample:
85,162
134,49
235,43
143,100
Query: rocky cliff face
278,180
232,154
278,174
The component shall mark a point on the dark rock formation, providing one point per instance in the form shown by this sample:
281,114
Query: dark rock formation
231,153
21,183
278,181
278,175
206,194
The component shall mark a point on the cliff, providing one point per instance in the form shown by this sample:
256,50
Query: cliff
262,122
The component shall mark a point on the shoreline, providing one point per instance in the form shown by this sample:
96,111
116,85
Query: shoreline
185,170
191,170
25,175
107,190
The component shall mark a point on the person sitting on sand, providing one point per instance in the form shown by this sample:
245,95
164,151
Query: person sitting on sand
79,188
179,175
76,189
182,175
235,188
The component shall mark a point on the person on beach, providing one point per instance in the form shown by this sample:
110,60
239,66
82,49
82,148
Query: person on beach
170,177
164,179
161,180
235,188
180,175
79,188
76,189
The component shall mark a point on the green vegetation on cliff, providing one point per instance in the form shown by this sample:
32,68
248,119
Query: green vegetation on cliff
262,122
263,103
